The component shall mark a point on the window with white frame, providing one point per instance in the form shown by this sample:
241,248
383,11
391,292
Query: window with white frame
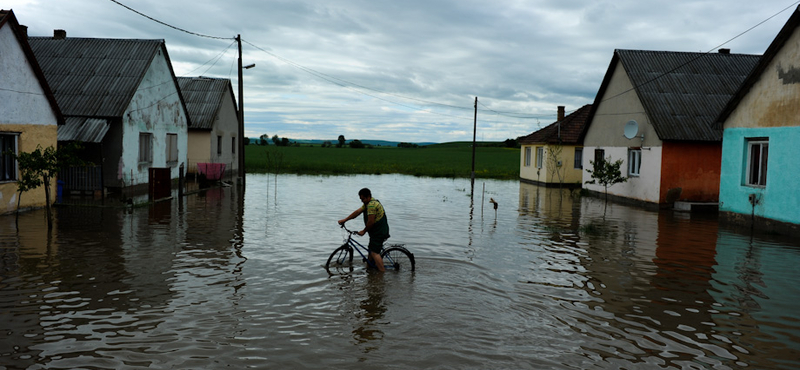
145,147
172,148
539,156
757,156
233,145
578,161
8,165
634,161
528,156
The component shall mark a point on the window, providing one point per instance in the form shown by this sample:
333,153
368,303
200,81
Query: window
634,161
539,156
527,156
145,147
219,145
599,157
757,155
8,166
233,145
578,162
172,148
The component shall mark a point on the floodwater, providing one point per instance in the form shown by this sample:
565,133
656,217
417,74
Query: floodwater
232,279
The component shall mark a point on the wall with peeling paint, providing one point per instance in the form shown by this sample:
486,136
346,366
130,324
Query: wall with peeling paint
769,111
26,112
156,108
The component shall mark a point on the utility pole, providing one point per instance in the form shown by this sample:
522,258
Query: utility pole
474,131
240,142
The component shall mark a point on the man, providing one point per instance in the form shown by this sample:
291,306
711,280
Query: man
375,224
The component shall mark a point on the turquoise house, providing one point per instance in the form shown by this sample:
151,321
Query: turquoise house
760,171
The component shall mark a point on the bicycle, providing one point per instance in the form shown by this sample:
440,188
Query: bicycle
395,257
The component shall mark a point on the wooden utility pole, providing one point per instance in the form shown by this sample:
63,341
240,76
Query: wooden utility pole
474,132
240,142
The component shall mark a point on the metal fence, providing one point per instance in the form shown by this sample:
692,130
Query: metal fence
81,179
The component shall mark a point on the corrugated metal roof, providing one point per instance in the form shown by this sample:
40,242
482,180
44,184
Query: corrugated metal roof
94,77
90,130
683,93
566,131
204,97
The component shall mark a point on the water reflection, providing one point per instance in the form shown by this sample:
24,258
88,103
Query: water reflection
551,280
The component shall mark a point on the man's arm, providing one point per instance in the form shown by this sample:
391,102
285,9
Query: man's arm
370,222
352,216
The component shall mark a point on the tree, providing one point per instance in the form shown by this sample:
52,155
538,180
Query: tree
606,173
39,167
264,139
341,141
276,140
356,144
554,165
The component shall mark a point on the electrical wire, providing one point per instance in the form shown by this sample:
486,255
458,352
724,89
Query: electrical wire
169,25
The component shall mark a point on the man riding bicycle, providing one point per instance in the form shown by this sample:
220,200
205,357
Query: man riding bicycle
375,223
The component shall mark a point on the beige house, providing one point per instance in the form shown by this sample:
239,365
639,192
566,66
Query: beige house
29,115
214,129
553,156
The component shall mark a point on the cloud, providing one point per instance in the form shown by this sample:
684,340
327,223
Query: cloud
410,71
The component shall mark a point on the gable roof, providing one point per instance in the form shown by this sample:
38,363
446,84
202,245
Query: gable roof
777,44
96,78
570,130
204,97
8,19
682,93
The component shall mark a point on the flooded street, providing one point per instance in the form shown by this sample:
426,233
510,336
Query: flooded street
549,280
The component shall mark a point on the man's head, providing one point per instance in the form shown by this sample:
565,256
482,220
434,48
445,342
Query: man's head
365,195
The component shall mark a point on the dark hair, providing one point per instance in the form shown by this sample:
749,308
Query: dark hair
365,193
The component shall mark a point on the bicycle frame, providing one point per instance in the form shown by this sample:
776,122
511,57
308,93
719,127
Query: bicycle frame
359,247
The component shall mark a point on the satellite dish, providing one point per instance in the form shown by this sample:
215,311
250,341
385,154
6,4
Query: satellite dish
631,129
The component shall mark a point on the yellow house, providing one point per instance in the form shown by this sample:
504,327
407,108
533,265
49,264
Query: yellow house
553,155
29,115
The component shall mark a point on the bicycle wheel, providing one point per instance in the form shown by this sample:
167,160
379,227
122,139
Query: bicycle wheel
340,259
398,259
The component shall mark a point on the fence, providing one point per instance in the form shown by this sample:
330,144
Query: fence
81,179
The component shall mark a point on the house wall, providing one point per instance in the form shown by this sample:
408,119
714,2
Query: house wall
530,172
24,110
227,126
693,167
569,174
156,108
779,199
619,105
769,110
199,149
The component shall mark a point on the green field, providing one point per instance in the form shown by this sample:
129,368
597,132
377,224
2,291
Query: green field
440,160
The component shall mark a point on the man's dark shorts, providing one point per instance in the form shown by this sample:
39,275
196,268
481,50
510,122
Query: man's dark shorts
376,244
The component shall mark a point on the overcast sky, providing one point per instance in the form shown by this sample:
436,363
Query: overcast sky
410,70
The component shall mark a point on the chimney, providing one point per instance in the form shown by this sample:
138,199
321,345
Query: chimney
724,51
59,34
560,113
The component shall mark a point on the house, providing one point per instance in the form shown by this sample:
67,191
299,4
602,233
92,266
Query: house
553,155
121,100
759,172
654,111
29,115
214,130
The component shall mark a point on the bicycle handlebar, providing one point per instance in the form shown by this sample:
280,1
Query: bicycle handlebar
351,232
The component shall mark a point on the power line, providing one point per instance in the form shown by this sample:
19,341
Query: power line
169,25
692,60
